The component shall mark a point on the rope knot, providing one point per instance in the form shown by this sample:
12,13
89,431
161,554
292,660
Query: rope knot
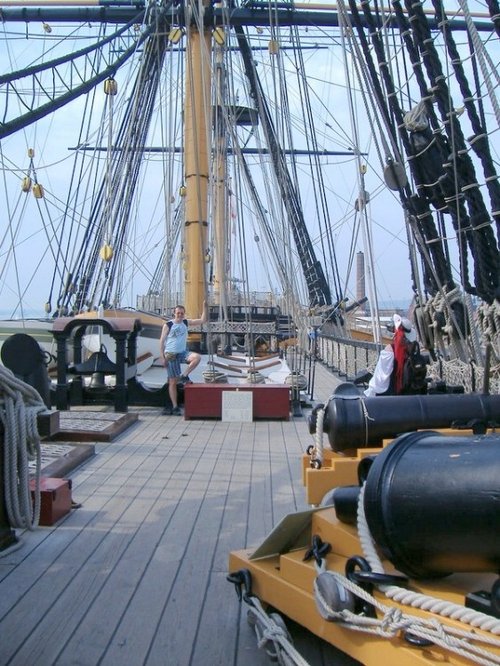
273,633
393,621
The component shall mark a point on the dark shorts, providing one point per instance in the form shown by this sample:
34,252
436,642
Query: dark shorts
174,365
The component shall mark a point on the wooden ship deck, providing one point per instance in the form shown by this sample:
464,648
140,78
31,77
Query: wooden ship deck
137,574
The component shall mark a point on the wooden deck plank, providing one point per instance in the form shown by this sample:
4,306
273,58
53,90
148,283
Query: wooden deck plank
181,524
53,586
234,615
158,566
138,574
196,567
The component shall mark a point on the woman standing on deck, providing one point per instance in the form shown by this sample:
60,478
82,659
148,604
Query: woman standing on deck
173,351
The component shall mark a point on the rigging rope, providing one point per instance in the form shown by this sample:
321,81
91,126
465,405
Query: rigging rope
272,635
482,54
420,206
460,167
479,140
392,622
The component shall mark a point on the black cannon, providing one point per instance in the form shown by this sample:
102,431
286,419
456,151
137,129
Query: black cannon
22,354
352,420
431,503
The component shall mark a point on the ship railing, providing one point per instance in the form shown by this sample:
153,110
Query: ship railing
346,357
238,327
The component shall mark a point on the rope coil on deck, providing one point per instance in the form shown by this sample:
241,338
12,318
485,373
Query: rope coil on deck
19,405
214,377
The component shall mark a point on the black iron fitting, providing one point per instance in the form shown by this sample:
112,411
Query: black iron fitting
353,567
319,550
416,641
377,579
241,579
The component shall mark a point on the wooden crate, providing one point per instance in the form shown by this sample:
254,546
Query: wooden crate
55,499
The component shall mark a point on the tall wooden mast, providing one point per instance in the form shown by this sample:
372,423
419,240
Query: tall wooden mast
197,133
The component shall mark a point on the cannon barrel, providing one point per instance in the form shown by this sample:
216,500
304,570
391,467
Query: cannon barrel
431,503
26,359
352,420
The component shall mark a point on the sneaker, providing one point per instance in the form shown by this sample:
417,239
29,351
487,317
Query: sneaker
184,379
167,411
176,411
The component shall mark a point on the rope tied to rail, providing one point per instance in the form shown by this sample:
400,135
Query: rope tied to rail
20,404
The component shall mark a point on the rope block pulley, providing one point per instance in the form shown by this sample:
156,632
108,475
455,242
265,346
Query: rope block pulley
106,252
110,86
37,190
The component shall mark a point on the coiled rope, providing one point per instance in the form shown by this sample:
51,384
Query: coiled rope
19,405
255,377
214,377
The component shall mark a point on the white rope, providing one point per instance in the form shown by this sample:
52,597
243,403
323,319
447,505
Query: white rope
268,630
255,377
296,380
214,377
317,451
489,321
394,621
367,418
19,405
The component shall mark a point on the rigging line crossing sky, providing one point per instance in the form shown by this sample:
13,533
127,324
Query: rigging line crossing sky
40,169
